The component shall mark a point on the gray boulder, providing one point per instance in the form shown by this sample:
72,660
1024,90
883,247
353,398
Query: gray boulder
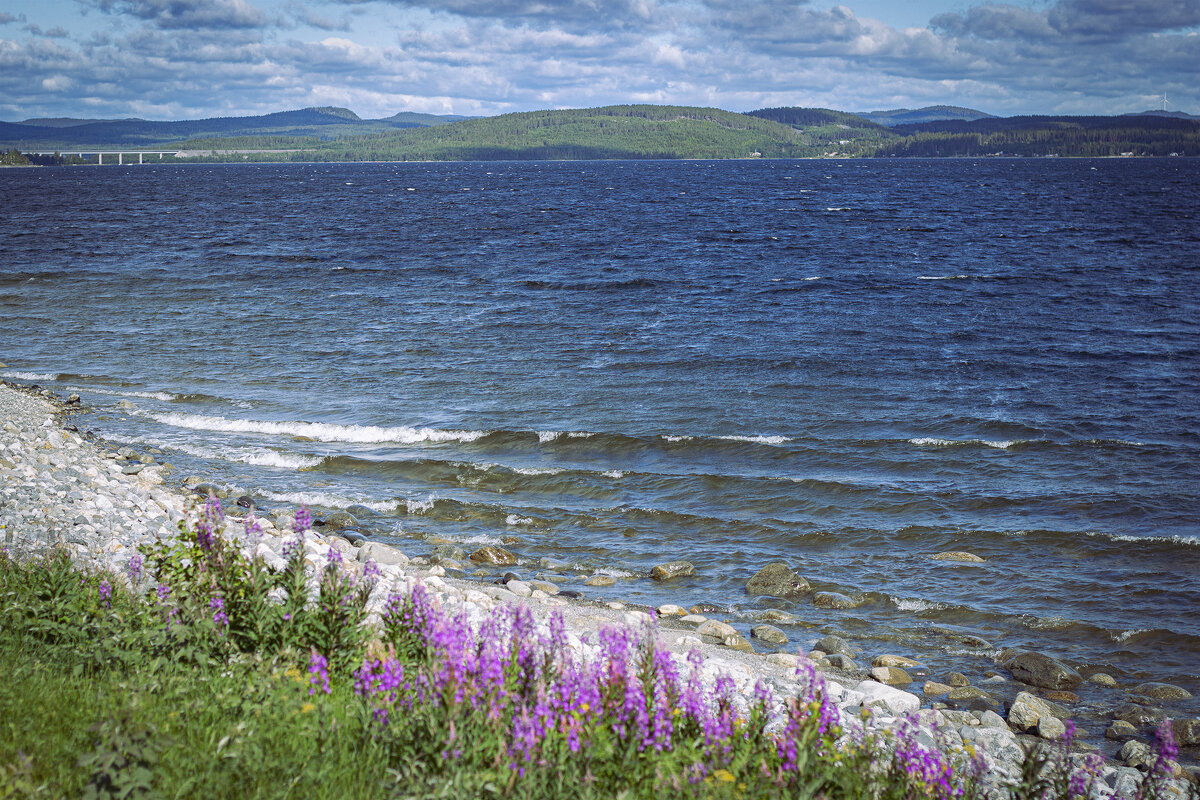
672,570
1039,669
777,579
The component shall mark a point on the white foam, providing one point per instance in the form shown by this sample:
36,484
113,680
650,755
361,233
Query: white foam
548,436
929,441
321,431
1125,636
757,439
838,208
678,438
613,572
537,470
613,473
325,500
1125,537
30,376
258,458
813,278
944,277
420,506
916,605
579,435
482,538
513,519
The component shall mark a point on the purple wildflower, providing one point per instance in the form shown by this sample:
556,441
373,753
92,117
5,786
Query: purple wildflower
217,606
292,548
1164,743
253,528
371,572
318,673
334,556
105,592
135,568
303,520
163,592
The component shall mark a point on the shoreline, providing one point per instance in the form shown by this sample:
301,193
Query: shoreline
89,519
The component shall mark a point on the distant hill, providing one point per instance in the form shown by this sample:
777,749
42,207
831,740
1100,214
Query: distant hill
325,122
906,116
1156,113
415,119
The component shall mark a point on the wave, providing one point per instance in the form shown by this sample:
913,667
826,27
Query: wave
30,376
756,439
325,500
164,396
321,431
929,441
254,457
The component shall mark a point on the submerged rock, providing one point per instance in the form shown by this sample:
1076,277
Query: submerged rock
958,555
491,554
600,580
672,570
1138,715
834,644
1187,731
834,600
1120,730
777,579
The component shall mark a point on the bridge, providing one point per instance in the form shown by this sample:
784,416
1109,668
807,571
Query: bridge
100,154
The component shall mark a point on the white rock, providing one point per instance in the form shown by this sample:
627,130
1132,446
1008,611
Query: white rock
878,695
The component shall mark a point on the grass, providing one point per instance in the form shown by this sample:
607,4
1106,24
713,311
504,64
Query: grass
207,674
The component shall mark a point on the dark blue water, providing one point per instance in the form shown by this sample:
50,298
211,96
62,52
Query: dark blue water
850,366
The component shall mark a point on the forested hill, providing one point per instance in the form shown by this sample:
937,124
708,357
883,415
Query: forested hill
1040,136
634,131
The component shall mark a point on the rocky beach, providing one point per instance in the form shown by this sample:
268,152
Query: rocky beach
66,488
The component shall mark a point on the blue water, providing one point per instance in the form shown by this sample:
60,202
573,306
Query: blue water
850,366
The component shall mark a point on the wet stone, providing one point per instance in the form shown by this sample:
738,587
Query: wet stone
1102,679
892,676
706,608
777,579
1138,715
1135,753
1187,731
672,570
935,689
834,644
1120,730
671,610
835,600
958,679
1041,670
769,633
840,661
1162,691
600,580
491,554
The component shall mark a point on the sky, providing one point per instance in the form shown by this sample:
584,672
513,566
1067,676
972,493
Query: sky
190,59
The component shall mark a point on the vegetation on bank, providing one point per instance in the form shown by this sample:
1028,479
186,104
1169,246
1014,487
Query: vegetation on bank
13,158
208,673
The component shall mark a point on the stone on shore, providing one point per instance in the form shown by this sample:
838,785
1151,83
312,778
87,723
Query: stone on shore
777,579
1043,671
1120,730
1187,731
935,689
887,660
889,698
671,610
381,554
1027,711
490,554
1138,715
892,676
600,580
672,570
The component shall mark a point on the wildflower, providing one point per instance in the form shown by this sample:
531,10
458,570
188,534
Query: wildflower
135,568
371,571
724,776
208,527
307,707
333,557
253,528
318,673
162,591
105,592
303,520
217,606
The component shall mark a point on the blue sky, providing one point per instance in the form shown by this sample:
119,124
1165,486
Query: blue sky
176,59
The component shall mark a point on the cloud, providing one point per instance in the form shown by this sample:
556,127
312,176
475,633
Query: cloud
1119,19
6,18
188,14
572,14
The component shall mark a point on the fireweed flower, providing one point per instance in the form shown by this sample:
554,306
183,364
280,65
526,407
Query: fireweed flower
105,592
217,606
135,568
303,520
318,673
